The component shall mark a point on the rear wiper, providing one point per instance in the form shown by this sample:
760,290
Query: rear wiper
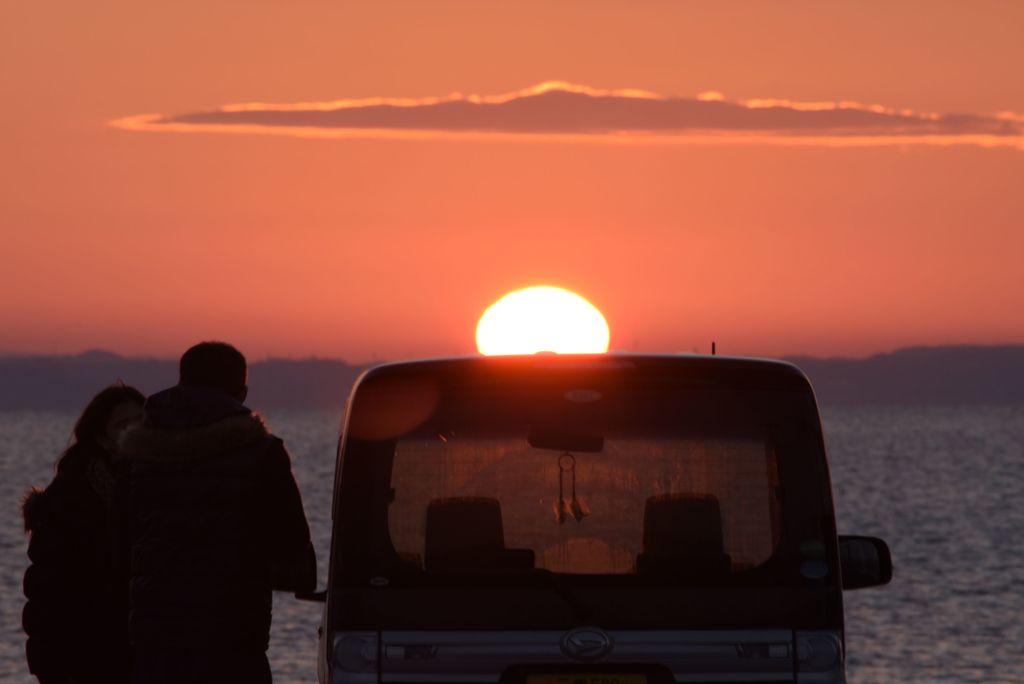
554,581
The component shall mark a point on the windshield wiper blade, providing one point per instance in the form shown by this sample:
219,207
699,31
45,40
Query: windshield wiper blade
583,613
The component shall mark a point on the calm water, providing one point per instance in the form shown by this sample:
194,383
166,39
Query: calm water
943,486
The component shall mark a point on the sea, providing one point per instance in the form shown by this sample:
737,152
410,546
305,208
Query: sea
943,485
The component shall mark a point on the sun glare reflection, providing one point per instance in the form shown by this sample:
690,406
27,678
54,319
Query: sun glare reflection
542,319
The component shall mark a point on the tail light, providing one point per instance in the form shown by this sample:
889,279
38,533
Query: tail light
819,657
354,658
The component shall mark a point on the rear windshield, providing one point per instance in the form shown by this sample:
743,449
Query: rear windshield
580,475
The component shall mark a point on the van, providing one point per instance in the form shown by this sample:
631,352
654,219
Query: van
607,519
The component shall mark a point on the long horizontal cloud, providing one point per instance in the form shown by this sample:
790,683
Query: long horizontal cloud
559,110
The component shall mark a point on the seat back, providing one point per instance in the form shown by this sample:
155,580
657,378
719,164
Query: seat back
463,523
465,534
683,536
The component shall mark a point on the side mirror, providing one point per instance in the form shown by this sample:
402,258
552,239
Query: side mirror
864,562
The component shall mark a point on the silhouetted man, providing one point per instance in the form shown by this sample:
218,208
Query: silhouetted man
215,523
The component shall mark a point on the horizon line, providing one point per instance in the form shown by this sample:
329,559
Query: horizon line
100,352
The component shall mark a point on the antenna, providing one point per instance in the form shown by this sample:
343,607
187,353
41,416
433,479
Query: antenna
712,347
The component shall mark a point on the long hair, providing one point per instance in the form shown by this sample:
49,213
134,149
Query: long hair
93,421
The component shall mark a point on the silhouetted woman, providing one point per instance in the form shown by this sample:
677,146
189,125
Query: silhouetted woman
77,612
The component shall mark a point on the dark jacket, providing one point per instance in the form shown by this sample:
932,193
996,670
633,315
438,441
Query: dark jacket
76,585
215,523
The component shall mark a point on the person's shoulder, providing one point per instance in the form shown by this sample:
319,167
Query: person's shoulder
272,446
40,506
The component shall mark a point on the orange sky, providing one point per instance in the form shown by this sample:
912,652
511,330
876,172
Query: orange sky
144,242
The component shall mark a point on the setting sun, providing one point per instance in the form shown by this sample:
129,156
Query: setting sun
542,319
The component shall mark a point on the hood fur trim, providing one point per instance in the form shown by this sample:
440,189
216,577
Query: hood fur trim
154,444
30,504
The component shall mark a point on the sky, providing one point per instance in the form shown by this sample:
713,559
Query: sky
361,180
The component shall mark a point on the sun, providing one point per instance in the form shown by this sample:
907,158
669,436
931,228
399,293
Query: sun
542,319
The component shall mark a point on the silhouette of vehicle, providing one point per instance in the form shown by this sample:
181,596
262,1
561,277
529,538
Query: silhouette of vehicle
612,519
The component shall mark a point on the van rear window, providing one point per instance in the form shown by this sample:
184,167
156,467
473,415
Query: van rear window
470,502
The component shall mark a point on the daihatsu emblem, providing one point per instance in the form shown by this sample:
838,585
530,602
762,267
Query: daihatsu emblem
586,643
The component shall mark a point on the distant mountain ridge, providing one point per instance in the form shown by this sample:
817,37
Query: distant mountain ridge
921,375
917,375
68,382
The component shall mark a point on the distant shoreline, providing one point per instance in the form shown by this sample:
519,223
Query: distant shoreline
917,375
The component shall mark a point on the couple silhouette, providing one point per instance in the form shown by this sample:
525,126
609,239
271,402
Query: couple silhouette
169,522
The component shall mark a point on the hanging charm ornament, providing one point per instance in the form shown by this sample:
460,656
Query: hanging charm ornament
561,507
575,507
579,507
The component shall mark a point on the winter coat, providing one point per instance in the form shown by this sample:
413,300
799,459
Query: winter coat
215,523
76,616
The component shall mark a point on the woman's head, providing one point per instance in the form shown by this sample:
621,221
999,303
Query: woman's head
104,418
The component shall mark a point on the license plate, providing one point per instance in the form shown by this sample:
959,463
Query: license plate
587,678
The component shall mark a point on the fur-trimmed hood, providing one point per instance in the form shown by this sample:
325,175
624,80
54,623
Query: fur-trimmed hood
155,444
31,505
185,423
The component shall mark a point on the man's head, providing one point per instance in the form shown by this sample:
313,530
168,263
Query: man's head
216,365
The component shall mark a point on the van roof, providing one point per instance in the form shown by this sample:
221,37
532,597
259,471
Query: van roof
690,369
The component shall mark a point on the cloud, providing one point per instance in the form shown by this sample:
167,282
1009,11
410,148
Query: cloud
557,110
